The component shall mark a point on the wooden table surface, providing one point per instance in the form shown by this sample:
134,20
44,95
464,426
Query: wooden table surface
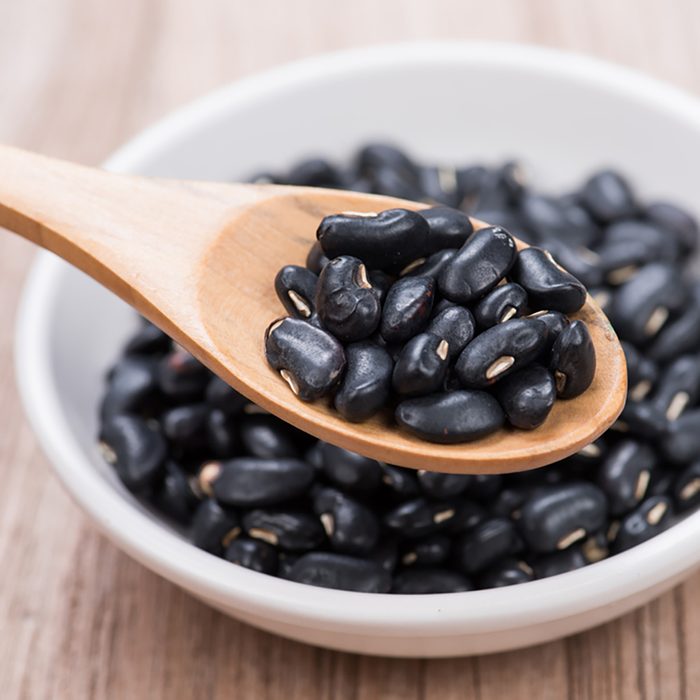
78,619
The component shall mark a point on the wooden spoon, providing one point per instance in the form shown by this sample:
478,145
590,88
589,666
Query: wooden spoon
199,258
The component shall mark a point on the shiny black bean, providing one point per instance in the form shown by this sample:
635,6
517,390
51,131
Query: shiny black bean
401,482
641,419
309,359
316,260
134,448
222,437
558,516
174,496
581,229
349,470
421,365
314,172
501,350
622,260
559,562
527,396
686,488
381,282
449,228
678,387
488,542
148,340
251,482
376,156
573,360
485,486
431,266
340,571
608,196
389,240
556,322
679,335
442,486
544,216
419,517
508,572
586,460
640,307
455,324
253,554
440,185
407,308
641,372
681,442
429,580
294,531
214,527
267,437
662,483
471,181
221,396
386,553
366,385
456,416
479,265
676,221
347,303
186,424
625,475
296,289
391,184
428,551
547,285
132,387
582,263
468,514
648,520
182,377
501,304
351,527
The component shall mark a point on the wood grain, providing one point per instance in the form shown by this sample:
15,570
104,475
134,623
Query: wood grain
78,619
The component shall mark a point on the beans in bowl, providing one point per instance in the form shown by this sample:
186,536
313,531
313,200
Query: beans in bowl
252,489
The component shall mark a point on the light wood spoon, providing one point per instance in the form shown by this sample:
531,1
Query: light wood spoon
199,258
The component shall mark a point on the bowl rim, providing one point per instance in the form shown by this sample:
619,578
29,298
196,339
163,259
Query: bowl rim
623,576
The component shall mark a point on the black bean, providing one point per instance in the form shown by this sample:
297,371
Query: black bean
148,340
351,527
649,519
174,496
401,481
253,554
314,172
621,260
686,488
479,265
296,289
631,231
582,263
456,416
678,387
488,542
681,443
186,424
381,282
132,387
389,240
134,448
429,580
376,156
366,385
390,183
556,322
573,360
347,304
407,308
586,460
316,260
559,562
251,482
295,531
508,572
267,437
640,307
221,396
485,486
449,228
442,486
527,396
350,471
468,514
431,266
455,324
421,365
428,551
221,434
608,196
501,304
676,221
641,372
501,350
419,517
548,286
641,419
214,527
340,571
471,181
625,475
558,516
662,483
310,360
679,335
386,553
182,377
440,185
544,216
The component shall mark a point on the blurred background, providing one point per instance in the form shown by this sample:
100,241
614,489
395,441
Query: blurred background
78,619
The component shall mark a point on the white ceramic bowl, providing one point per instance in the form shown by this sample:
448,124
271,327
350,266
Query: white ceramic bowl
562,113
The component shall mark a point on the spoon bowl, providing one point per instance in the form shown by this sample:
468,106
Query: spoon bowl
199,259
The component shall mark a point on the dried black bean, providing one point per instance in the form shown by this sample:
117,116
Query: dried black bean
132,387
573,360
221,434
386,553
559,562
221,396
431,266
558,516
527,396
381,282
174,496
267,437
479,265
455,324
401,481
182,377
253,554
621,260
429,580
641,372
676,221
314,172
485,486
582,263
681,442
544,216
350,471
294,531
148,340
421,365
679,335
488,542
389,240
501,350
442,486
407,308
649,519
296,289
506,573
340,571
556,322
468,514
641,419
440,185
625,475
214,527
449,228
456,416
608,196
501,304
376,156
548,286
316,259
134,448
186,424
428,551
366,385
310,360
419,517
390,183
686,489
678,387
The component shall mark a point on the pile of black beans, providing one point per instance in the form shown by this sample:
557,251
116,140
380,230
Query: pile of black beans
454,329
252,489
